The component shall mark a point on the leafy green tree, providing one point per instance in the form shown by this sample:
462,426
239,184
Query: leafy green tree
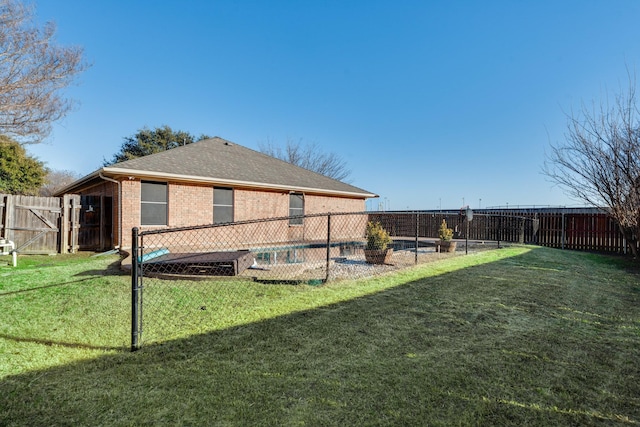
19,172
148,141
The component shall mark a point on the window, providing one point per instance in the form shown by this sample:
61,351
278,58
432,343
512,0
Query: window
222,205
153,203
296,207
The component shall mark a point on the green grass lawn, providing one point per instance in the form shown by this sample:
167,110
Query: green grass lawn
516,336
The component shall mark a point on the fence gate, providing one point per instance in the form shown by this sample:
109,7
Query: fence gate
40,225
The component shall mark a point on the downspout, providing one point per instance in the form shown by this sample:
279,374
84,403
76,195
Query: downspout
118,183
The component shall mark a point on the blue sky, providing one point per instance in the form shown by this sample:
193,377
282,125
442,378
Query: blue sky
431,103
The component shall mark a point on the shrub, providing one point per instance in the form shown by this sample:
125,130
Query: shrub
377,236
444,232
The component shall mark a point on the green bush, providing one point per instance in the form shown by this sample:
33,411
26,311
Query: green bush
444,232
377,236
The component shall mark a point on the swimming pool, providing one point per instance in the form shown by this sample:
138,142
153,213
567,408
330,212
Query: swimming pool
304,252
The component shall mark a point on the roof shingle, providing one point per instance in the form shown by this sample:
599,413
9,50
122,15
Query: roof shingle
216,159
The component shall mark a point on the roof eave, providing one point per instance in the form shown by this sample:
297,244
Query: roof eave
229,182
68,188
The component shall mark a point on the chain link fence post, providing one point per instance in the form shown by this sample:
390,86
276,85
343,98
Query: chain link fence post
136,318
328,246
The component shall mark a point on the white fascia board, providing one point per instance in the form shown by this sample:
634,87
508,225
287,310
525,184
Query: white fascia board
229,182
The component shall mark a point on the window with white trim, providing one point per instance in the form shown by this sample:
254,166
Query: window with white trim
153,203
222,205
296,208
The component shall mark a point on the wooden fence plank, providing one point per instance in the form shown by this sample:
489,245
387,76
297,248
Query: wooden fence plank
34,223
9,218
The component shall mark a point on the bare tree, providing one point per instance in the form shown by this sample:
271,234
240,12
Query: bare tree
56,180
33,70
308,156
599,160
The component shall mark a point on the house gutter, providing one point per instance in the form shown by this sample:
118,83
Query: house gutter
118,183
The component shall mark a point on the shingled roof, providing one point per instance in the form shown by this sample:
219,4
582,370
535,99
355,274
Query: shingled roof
221,162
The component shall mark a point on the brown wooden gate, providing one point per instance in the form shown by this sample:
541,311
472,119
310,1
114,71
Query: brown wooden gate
40,225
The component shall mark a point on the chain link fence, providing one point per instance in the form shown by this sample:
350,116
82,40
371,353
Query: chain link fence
188,273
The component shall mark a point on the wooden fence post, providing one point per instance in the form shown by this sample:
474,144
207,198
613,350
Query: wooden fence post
64,225
521,236
3,209
75,222
10,212
563,231
417,235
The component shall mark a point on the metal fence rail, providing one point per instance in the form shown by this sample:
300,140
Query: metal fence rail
198,268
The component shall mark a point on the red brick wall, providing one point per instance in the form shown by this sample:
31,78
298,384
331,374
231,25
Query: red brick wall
192,204
253,204
130,209
322,204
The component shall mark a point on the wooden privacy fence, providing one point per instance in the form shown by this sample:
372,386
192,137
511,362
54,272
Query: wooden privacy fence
40,225
495,227
582,229
49,225
585,229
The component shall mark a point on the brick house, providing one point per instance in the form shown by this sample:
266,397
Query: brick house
210,181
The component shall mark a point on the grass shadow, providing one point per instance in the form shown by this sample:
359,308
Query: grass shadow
39,288
113,269
62,344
